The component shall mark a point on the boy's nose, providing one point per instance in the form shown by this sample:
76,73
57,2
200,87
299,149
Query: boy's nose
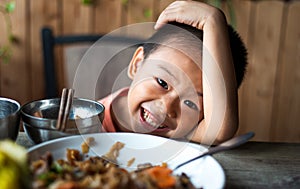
172,114
171,104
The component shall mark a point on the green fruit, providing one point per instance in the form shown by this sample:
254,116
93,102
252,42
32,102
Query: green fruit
14,170
9,172
14,151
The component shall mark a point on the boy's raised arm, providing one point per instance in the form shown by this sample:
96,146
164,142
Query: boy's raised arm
219,84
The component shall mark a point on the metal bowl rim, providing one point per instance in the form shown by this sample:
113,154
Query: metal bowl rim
47,119
14,102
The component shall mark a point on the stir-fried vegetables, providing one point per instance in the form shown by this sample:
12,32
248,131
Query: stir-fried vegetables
101,173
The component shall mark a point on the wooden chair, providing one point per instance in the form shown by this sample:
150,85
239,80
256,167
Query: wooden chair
49,41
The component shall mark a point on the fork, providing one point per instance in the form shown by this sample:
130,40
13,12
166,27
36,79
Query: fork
227,145
64,108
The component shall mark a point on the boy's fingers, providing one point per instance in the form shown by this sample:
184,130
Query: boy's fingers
178,11
162,20
169,14
186,12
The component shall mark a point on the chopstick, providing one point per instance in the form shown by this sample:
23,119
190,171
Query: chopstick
64,108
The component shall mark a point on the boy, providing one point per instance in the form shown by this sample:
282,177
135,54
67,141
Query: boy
180,87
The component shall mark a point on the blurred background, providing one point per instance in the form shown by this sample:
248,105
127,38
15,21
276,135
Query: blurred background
269,102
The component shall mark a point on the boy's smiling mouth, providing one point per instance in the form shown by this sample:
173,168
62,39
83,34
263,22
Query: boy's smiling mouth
150,122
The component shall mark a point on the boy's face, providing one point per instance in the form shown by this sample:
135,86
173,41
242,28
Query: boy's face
165,97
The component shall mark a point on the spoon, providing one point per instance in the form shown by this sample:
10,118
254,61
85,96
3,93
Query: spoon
227,145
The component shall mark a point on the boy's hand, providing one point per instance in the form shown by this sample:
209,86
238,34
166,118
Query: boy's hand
191,13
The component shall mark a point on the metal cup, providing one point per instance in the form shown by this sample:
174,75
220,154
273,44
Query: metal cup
9,118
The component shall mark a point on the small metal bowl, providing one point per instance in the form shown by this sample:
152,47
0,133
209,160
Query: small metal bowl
9,119
40,117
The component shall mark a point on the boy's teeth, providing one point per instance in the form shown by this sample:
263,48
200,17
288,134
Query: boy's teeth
150,121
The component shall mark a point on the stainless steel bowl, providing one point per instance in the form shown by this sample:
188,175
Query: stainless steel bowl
40,117
9,118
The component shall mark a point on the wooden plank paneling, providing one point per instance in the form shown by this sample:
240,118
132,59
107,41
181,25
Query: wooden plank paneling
3,41
42,13
286,113
76,17
141,12
241,11
15,74
263,45
162,4
108,16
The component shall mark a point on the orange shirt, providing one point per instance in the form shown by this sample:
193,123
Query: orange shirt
108,124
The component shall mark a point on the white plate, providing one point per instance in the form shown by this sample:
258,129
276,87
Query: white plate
205,172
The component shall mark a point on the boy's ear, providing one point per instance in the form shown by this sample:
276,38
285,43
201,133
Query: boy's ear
135,62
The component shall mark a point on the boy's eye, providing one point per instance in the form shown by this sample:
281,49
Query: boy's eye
162,83
190,104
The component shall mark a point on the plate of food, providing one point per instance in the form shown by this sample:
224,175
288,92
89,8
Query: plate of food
122,160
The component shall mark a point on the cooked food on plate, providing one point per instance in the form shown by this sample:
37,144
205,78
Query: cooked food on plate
78,170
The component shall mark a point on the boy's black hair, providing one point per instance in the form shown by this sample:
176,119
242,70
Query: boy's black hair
239,54
238,49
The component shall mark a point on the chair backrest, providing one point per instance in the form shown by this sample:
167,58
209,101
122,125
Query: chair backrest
104,82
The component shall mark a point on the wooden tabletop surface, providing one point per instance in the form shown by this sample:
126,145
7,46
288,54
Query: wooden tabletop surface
253,165
262,165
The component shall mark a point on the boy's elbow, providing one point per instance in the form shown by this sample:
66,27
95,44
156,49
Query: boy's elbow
227,133
222,138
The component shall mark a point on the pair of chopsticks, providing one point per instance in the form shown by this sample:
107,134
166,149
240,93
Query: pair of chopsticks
64,108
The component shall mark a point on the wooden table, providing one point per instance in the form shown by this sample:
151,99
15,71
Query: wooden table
262,165
254,165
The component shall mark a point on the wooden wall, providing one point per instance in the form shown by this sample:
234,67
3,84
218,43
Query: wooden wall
269,96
